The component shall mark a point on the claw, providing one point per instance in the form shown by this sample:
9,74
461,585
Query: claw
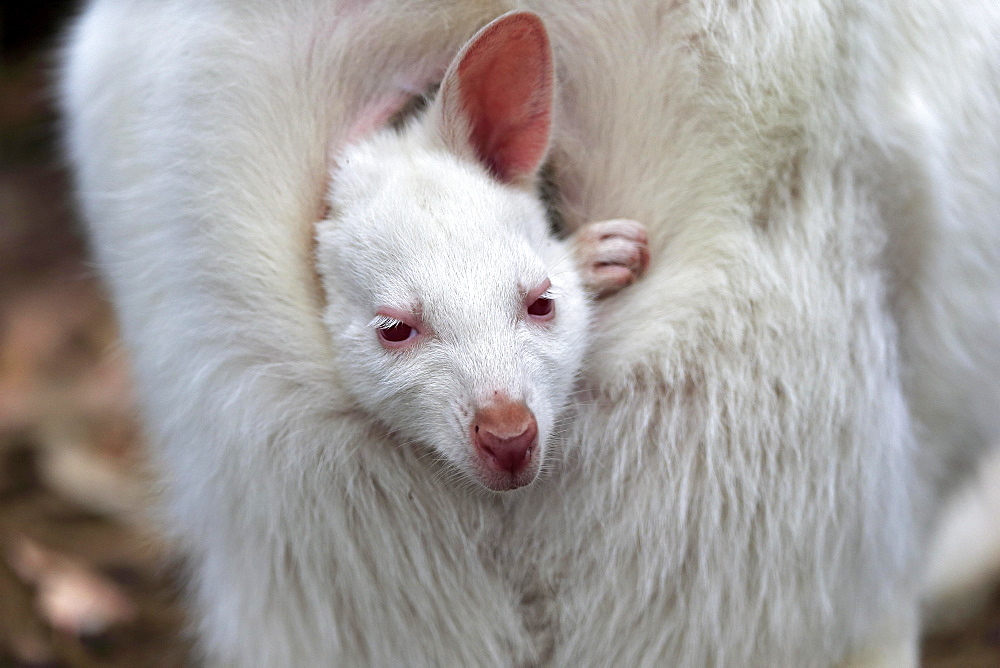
612,254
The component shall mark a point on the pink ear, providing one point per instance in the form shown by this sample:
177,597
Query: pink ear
496,97
375,113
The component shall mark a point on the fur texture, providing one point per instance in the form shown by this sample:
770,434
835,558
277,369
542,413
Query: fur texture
766,422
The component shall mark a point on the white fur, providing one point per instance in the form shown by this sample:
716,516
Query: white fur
417,229
767,421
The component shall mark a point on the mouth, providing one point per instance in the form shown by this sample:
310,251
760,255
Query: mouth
499,476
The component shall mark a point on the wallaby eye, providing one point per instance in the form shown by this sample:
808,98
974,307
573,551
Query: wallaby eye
540,302
392,331
541,307
397,333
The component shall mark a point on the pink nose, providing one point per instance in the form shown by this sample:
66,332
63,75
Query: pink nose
505,434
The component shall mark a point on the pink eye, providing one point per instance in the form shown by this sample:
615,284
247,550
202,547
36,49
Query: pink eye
540,304
394,328
541,307
396,333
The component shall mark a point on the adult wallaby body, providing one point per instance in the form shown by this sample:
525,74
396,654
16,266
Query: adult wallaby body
769,418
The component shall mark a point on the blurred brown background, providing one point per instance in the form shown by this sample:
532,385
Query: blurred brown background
84,579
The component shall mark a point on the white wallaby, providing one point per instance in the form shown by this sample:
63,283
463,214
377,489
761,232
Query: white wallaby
438,243
765,425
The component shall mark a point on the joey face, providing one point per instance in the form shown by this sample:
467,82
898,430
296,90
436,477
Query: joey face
459,323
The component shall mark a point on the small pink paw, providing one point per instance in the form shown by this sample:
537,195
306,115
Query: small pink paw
611,254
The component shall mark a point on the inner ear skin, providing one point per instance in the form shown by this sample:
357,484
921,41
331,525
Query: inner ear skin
508,99
503,80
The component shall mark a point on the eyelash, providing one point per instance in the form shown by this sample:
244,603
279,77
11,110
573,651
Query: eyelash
384,322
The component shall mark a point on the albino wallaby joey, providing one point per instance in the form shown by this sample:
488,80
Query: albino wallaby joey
457,318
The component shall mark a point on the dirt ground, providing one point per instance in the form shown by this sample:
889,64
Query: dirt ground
85,580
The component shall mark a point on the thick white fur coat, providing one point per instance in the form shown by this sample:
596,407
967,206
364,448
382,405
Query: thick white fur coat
765,423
